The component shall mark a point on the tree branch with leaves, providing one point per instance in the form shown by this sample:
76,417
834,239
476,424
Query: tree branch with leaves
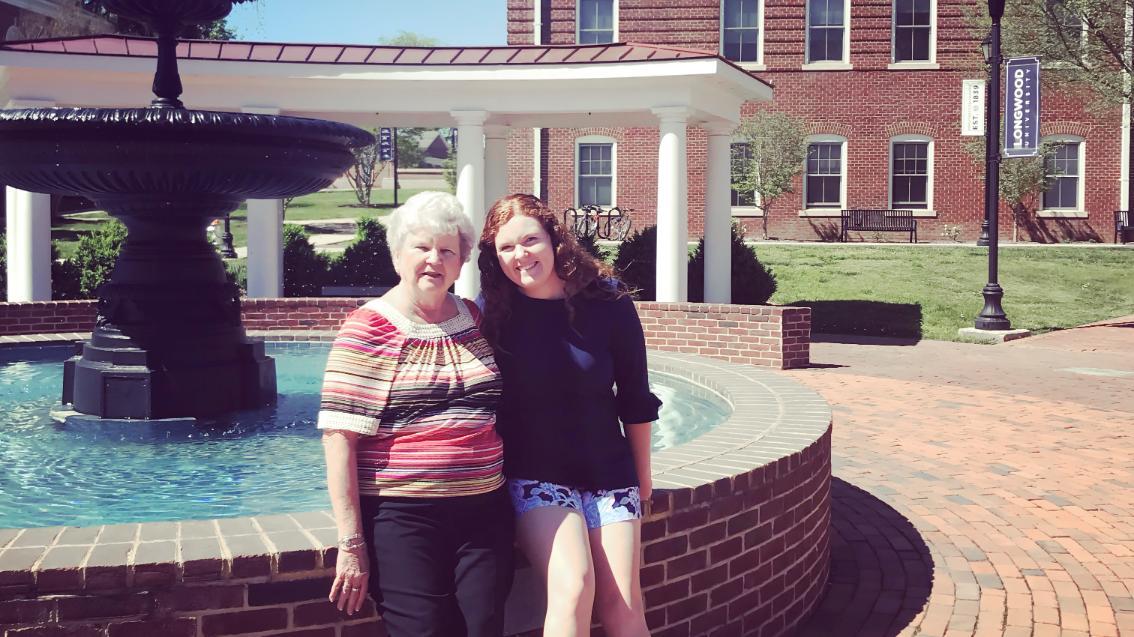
773,152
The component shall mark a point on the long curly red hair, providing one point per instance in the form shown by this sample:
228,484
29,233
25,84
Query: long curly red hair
584,275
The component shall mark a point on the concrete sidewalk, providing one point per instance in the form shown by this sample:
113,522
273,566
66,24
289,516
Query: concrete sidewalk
981,490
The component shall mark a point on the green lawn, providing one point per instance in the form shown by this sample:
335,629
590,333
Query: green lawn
320,205
931,292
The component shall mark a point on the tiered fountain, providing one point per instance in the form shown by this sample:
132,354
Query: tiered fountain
168,341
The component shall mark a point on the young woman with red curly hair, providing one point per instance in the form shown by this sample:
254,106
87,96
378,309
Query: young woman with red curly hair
576,449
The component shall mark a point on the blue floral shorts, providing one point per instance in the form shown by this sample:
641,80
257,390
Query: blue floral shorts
599,508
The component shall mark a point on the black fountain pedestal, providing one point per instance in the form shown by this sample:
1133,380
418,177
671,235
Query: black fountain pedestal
168,341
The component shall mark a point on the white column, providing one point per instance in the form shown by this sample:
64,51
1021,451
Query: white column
29,245
673,205
470,188
265,237
265,248
28,230
718,215
495,164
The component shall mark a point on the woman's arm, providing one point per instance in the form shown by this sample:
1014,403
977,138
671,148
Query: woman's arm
639,436
349,588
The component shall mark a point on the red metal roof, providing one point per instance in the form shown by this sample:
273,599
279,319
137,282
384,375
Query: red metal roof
128,46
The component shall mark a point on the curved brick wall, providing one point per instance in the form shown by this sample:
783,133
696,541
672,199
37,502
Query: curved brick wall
736,538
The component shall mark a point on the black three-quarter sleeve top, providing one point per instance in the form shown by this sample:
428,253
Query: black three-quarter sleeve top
567,386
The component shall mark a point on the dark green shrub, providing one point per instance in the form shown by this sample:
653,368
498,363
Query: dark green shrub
366,261
65,277
637,262
95,256
236,271
305,271
753,283
589,243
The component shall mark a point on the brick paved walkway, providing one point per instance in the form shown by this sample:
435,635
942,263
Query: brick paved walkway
982,490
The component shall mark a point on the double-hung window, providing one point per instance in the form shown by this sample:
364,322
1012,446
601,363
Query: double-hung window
741,200
1063,170
911,164
823,184
740,30
596,21
913,30
595,173
826,30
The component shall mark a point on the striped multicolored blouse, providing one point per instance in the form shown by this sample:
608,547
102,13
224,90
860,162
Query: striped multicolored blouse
424,396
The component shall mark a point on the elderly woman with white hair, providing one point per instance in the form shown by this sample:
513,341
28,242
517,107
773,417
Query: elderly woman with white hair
414,463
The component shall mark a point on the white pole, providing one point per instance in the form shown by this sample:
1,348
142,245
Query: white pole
265,248
673,205
29,245
718,215
470,189
495,164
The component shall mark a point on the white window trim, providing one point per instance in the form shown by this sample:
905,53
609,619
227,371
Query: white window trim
742,211
537,21
598,139
929,210
758,64
931,63
834,211
613,17
827,65
1080,209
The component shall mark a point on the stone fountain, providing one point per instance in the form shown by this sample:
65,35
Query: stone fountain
168,341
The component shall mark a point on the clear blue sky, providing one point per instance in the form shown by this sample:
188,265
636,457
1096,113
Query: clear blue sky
367,21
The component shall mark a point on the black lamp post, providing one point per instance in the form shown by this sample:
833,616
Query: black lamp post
992,315
227,251
990,102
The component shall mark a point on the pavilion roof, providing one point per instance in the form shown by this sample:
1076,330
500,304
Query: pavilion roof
239,51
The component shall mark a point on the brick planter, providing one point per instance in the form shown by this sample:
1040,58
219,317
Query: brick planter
765,335
736,539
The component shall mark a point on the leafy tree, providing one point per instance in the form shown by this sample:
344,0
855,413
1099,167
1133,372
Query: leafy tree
1081,42
409,38
410,152
775,149
363,173
636,263
1022,180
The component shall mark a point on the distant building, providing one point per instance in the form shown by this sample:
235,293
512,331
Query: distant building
879,84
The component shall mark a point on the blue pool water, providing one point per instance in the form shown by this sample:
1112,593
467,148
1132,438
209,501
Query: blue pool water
255,462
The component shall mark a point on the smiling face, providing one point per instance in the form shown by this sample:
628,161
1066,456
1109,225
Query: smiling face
527,258
429,262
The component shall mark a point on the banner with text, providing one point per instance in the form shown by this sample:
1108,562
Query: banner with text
972,108
1021,107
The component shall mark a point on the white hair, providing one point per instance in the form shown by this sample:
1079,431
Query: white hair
433,212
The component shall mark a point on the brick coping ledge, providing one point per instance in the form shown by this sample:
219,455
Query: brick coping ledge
737,535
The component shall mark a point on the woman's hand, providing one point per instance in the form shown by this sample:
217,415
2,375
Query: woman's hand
645,487
349,589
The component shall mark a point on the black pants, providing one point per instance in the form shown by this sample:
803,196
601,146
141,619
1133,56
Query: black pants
440,566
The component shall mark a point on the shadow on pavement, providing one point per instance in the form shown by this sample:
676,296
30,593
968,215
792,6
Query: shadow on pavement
881,569
864,318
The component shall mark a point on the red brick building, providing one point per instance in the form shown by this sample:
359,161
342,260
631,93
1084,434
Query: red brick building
879,84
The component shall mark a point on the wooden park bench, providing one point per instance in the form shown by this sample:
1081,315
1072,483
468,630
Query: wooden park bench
878,220
1122,225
